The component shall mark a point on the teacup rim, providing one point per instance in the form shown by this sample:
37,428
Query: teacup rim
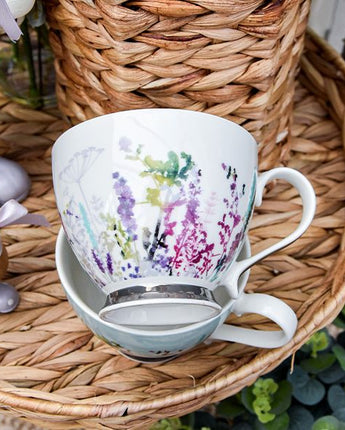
62,241
163,111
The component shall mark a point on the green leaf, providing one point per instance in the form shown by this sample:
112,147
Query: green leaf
281,422
340,414
262,407
247,398
229,408
264,386
336,397
311,394
153,197
298,378
169,424
163,172
281,398
300,418
339,352
327,422
271,399
264,390
187,167
341,339
318,342
172,165
319,363
332,375
307,390
339,322
154,165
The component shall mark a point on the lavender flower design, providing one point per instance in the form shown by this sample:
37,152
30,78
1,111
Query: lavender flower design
176,240
126,205
193,254
166,178
180,245
230,220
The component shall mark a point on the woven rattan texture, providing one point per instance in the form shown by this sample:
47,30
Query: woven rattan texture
54,373
236,59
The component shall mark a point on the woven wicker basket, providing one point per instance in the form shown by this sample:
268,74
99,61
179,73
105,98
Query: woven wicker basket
237,59
54,373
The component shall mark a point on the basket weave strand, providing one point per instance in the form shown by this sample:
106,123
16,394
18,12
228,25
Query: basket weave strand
235,59
55,373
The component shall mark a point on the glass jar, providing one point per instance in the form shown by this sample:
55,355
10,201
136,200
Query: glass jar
27,73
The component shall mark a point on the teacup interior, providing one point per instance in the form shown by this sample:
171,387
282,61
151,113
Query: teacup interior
82,285
159,313
149,316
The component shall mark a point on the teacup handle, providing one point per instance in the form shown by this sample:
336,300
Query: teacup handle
268,306
306,191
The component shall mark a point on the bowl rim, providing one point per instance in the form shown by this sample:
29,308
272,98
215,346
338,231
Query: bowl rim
62,243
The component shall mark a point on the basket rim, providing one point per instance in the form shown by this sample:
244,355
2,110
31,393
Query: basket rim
119,408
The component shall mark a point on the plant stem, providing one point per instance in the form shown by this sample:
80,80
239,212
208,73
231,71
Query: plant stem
39,61
15,52
33,90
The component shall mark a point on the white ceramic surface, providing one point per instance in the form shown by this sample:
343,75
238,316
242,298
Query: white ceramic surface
20,8
157,343
163,195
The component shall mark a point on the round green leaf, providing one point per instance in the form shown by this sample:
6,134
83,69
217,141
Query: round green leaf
326,423
307,390
300,418
281,398
332,375
281,422
230,408
336,397
311,393
339,352
319,363
318,342
340,414
298,378
247,398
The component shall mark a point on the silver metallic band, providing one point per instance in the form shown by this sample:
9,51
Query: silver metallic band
166,291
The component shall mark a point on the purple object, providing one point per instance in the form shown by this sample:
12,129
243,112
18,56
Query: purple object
13,212
14,181
9,298
8,23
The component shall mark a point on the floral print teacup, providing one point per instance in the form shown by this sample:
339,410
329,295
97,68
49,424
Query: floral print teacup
163,196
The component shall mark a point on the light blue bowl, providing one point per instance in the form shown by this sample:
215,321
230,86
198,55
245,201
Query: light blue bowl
136,343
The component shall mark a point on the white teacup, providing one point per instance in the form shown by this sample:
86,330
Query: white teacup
162,197
152,343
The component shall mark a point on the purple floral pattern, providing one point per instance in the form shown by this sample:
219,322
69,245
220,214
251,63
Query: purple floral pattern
177,242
